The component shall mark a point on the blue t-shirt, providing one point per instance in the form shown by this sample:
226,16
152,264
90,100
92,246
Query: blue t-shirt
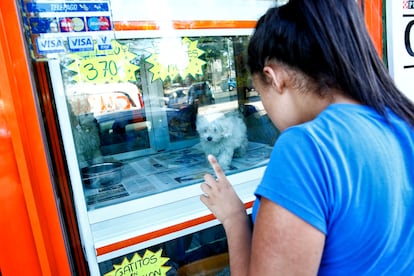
350,174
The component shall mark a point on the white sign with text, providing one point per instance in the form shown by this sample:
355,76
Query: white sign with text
400,44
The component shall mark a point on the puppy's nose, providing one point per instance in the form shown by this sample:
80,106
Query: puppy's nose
209,138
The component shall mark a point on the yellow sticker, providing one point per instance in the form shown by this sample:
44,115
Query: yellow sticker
104,66
151,264
176,60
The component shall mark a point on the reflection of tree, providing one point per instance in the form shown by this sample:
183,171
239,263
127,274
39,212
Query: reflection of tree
221,59
244,82
215,50
213,47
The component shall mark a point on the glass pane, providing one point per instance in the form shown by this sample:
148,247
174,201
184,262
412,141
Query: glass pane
143,137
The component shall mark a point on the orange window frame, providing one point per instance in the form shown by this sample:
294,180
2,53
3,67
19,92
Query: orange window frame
373,13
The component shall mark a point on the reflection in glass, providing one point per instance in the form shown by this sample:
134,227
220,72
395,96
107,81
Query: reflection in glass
149,125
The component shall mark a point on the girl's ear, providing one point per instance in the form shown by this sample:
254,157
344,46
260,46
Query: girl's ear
276,76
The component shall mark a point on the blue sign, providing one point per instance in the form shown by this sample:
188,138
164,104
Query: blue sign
104,42
65,7
80,43
63,26
43,25
50,45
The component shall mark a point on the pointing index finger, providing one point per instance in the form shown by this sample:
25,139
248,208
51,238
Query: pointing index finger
216,166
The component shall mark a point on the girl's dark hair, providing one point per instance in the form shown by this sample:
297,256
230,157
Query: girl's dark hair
328,41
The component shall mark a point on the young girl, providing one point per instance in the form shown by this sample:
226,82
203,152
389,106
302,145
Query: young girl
337,197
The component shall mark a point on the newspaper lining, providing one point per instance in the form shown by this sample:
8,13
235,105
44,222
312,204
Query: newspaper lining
169,170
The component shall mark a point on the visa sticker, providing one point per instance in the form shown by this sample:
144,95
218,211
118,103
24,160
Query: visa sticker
50,45
104,42
80,43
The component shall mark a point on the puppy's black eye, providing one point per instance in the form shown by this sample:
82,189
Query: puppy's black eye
215,129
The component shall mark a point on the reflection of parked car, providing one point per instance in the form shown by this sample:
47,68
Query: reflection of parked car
176,98
201,93
128,129
231,84
103,98
94,108
115,114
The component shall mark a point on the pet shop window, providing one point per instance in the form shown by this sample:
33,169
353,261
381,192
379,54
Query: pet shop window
142,93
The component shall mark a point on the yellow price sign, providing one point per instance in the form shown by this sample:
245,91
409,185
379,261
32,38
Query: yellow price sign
183,60
108,67
149,264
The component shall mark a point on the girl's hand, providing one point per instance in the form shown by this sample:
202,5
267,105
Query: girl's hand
219,195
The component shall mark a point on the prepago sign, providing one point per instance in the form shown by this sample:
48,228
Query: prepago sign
400,44
64,27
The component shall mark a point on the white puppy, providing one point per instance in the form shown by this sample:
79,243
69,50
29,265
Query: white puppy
222,135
